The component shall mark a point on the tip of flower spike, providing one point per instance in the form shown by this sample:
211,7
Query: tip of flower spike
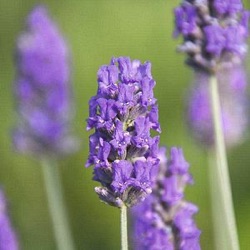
38,16
177,163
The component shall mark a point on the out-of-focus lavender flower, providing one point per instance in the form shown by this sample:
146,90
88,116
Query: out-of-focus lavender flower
214,32
215,37
42,88
123,112
234,103
164,221
8,240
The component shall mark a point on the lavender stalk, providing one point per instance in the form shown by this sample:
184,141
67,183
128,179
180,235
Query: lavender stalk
56,205
217,214
124,230
224,187
43,95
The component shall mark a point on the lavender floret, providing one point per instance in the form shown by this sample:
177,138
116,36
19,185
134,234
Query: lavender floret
122,113
8,239
165,220
42,88
214,33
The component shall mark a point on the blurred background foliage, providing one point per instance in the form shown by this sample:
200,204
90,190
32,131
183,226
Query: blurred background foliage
96,30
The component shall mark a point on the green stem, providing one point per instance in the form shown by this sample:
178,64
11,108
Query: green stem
124,233
224,194
217,214
56,205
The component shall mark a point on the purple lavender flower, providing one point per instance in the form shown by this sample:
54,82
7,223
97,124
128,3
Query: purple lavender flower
185,19
214,32
234,103
228,7
123,112
42,88
8,240
217,44
164,221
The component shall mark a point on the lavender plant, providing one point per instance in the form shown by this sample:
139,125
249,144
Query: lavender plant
8,239
122,151
43,97
215,40
165,219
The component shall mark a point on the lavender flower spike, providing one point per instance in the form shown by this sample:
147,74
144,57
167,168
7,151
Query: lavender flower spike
164,221
8,240
234,103
123,112
42,88
214,32
43,95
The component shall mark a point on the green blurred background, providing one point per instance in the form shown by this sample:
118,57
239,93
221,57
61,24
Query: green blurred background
96,30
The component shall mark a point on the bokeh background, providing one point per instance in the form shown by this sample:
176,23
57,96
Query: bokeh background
96,30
